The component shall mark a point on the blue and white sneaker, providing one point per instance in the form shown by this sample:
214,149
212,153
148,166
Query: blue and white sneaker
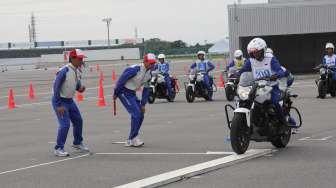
61,153
81,147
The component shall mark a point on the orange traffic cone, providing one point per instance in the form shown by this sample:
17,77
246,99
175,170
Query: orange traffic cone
79,97
101,76
114,76
31,93
220,83
11,102
98,67
101,97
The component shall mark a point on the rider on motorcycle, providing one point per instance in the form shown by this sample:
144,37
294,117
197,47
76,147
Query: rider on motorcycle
203,66
329,59
163,68
262,64
237,63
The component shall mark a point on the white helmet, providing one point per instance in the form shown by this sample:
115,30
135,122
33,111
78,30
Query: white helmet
256,44
269,50
161,56
238,53
330,45
200,53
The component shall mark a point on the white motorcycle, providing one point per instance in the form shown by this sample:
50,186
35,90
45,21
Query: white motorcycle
158,89
197,88
255,117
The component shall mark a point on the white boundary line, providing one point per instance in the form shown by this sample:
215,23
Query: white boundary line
43,164
180,174
207,153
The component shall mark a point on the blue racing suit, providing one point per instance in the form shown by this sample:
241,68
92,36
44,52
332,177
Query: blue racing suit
131,80
289,76
203,67
330,61
65,85
163,69
266,68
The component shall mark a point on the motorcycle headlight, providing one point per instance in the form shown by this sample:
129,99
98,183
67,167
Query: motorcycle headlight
322,71
243,92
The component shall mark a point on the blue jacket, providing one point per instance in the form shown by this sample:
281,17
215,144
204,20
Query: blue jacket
72,85
275,66
199,65
162,67
128,74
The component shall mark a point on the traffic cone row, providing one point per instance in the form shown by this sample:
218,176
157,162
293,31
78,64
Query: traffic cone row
101,97
11,102
31,94
220,83
114,76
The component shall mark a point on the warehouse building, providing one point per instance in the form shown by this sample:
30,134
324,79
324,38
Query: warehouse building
297,30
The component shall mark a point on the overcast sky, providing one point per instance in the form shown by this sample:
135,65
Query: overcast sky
189,20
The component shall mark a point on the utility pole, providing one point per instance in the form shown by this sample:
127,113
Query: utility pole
108,22
33,28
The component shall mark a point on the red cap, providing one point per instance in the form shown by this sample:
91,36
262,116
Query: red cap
150,58
76,53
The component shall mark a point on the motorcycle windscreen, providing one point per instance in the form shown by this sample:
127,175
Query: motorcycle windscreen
246,79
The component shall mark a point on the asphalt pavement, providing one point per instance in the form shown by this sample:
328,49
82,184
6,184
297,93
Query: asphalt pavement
176,135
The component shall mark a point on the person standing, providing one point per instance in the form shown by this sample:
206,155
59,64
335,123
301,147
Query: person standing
66,84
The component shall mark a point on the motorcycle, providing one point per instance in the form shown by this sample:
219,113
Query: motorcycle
326,84
158,89
196,88
255,117
231,86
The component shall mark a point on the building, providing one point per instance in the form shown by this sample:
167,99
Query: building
297,30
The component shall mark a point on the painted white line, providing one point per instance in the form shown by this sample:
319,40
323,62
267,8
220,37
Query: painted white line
315,139
207,153
118,142
42,164
180,174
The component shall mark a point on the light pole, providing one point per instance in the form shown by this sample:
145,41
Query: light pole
108,22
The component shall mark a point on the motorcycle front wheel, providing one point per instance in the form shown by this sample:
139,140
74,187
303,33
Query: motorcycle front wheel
239,134
322,91
151,98
229,92
190,94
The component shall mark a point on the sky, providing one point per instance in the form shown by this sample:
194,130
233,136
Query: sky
188,20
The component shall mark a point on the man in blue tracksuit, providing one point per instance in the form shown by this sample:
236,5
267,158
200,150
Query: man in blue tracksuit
129,82
203,66
66,84
262,64
163,68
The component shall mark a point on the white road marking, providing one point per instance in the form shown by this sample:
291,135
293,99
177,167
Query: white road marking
315,139
118,142
191,171
207,153
43,164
